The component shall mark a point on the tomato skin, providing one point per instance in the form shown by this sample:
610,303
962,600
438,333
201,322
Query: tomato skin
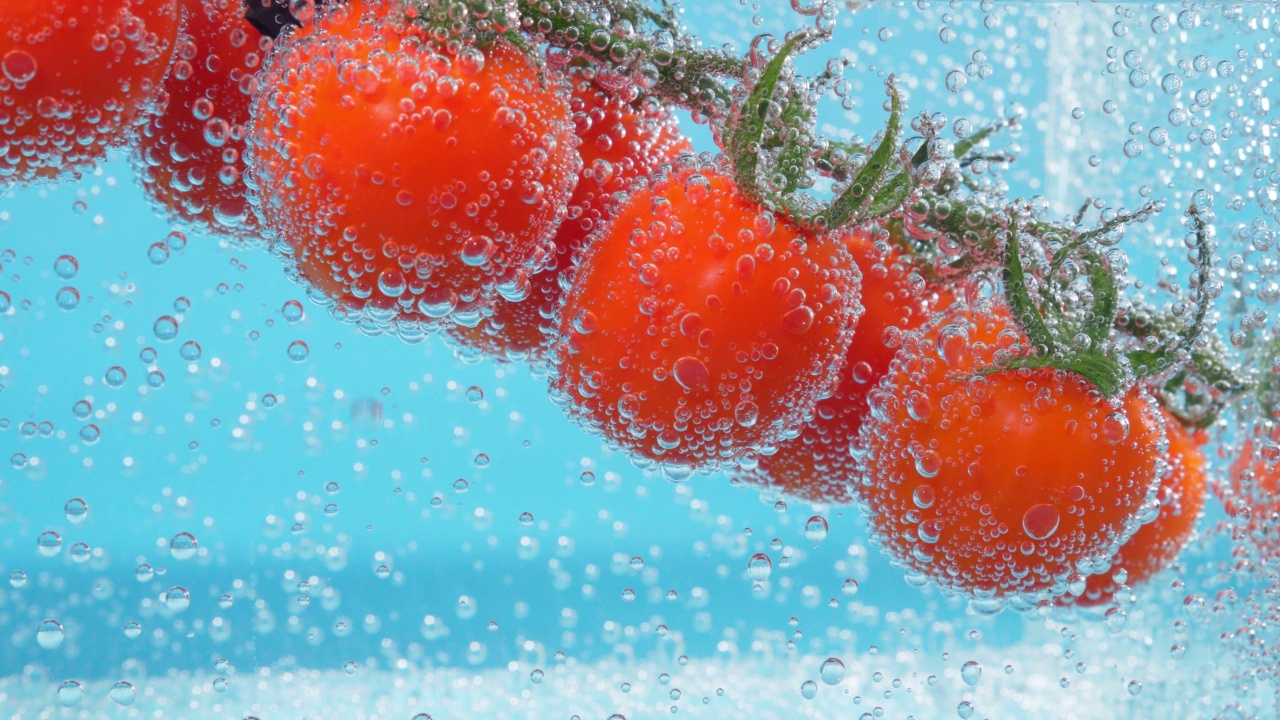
700,328
621,142
1156,544
75,76
190,157
1001,486
376,170
1253,482
818,465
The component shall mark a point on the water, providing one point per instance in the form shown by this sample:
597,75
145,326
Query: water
218,502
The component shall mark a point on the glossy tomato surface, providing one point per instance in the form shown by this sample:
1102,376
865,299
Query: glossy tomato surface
1002,485
620,142
75,75
702,328
190,157
819,465
408,184
1157,543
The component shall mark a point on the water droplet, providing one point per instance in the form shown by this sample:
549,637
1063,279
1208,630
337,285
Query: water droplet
177,599
298,351
526,519
66,267
49,543
536,677
115,376
165,328
956,81
292,311
849,587
70,693
76,509
67,298
691,373
759,567
1040,521
1115,428
832,671
924,496
19,66
183,546
190,351
122,693
815,529
50,634
971,673
809,689
132,630
1115,619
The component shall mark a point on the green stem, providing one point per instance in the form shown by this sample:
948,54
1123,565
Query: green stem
1146,362
853,203
686,75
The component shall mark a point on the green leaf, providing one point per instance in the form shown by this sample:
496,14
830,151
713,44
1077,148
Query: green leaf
852,204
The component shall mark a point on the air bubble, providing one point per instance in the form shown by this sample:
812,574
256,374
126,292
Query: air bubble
759,567
298,351
832,671
183,546
815,529
50,634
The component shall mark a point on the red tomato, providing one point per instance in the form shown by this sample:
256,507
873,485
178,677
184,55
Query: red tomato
189,157
407,183
818,466
74,77
701,328
1003,485
1156,544
620,142
1254,483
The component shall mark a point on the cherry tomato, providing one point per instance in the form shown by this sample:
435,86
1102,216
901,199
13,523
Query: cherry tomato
1253,482
1006,486
189,158
1157,543
408,183
620,142
75,75
701,328
818,466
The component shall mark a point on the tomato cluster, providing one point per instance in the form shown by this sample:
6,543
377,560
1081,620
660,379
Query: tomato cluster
532,208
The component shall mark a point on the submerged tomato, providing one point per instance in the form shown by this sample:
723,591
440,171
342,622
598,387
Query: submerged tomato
1003,485
701,328
1157,543
408,183
620,143
74,77
1253,482
190,157
819,465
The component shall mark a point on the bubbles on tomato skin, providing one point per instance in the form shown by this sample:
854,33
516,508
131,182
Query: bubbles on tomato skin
818,465
190,157
1032,490
621,142
68,96
426,225
1157,543
687,385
